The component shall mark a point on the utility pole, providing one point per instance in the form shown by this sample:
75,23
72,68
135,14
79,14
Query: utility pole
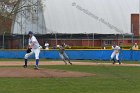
3,45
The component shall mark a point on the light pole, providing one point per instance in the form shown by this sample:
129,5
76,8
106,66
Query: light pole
93,40
3,40
23,42
56,39
123,35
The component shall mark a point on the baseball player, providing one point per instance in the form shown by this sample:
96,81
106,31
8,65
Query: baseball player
116,50
135,47
33,48
46,45
63,55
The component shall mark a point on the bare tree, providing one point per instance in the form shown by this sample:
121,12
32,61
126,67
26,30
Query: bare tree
8,11
6,8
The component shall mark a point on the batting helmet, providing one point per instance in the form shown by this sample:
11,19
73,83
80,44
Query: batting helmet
30,32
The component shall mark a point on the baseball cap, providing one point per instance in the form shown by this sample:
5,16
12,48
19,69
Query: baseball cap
30,32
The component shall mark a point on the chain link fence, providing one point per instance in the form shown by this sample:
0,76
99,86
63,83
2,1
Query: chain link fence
8,41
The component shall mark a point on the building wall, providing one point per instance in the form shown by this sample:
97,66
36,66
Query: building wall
18,43
135,24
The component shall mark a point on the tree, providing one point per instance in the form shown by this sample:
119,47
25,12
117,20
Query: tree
9,10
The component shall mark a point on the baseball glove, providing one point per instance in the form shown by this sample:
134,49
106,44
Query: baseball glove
28,50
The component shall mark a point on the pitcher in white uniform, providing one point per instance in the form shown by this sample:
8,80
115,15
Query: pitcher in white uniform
116,50
35,49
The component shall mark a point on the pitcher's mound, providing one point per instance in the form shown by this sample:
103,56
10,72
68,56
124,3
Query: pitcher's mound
49,73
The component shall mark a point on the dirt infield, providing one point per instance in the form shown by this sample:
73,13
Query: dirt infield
41,73
7,71
19,63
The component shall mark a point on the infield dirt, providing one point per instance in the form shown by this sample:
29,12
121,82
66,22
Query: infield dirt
8,70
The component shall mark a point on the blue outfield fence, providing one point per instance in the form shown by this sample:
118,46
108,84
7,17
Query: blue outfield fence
75,54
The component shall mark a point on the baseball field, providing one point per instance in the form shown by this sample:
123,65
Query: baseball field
81,77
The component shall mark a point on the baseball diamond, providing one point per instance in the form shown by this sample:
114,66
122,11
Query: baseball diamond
69,46
14,69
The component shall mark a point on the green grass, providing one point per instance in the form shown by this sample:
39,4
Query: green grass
115,79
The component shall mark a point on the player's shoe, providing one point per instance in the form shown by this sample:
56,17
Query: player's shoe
114,62
36,67
70,63
25,66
